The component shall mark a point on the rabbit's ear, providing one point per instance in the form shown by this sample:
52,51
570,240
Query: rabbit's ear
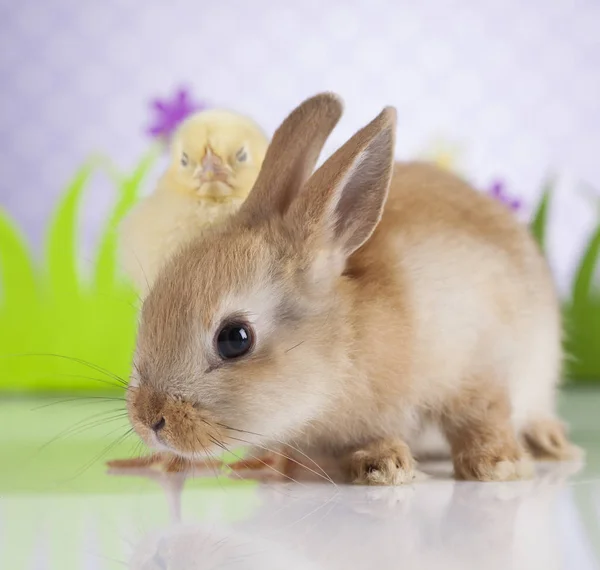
342,202
291,156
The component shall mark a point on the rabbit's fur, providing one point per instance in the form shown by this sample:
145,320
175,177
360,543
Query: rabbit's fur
371,324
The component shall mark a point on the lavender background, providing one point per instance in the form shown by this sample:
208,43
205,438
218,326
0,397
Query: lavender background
515,86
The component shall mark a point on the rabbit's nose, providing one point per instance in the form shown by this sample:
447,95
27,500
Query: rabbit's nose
160,424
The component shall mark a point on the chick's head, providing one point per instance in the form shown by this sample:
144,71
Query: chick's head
217,155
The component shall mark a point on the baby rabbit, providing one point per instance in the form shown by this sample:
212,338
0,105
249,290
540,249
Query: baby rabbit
347,311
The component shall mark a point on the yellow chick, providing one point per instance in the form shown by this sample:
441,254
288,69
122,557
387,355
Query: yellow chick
445,155
215,157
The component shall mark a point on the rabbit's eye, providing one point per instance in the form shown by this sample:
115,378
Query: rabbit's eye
234,340
184,159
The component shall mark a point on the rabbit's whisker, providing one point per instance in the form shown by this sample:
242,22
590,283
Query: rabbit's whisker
274,469
322,473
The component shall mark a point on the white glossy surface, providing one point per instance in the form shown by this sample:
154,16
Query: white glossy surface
434,524
551,522
151,521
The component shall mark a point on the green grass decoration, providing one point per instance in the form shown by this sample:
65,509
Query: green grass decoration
539,222
61,251
581,311
106,274
582,315
15,261
50,308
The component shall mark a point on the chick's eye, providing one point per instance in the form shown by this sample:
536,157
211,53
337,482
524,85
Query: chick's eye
184,159
241,155
234,340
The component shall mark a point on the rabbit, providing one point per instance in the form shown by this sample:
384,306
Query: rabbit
347,311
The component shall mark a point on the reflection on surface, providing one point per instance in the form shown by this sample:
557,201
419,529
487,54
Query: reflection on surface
53,518
194,547
435,524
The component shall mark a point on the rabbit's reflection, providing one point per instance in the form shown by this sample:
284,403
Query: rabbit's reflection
440,524
204,547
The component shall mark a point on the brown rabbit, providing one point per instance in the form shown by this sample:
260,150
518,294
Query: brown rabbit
318,318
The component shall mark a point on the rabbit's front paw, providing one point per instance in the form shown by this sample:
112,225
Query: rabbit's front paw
382,463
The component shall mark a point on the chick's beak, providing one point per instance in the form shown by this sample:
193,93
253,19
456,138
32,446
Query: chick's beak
212,169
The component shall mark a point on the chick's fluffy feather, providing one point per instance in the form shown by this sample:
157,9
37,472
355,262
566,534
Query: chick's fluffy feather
215,157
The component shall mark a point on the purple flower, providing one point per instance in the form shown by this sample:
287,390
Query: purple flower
170,112
498,190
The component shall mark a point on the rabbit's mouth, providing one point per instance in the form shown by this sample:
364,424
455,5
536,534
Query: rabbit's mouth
168,423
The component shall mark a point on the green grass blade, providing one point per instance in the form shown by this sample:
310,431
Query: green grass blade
539,222
61,242
129,190
18,285
20,294
582,322
583,315
583,283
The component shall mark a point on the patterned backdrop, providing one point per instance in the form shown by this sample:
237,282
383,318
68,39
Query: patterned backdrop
511,89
